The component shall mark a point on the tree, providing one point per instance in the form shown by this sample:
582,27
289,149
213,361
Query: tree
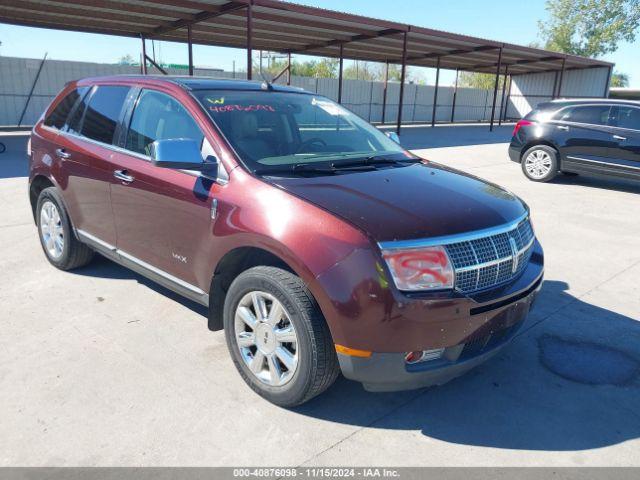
412,74
619,80
484,81
127,60
361,71
328,68
395,72
589,28
325,68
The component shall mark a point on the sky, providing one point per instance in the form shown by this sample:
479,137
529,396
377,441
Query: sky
513,21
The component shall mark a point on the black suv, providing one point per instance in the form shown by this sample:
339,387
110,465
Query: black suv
579,136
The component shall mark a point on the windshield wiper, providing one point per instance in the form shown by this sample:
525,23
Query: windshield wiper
374,160
300,168
309,167
297,168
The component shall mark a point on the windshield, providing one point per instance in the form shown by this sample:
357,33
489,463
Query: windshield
273,131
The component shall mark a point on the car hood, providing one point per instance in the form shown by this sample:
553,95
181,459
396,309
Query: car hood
405,203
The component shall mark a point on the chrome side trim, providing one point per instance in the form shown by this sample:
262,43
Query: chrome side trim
94,239
449,239
146,266
603,163
161,273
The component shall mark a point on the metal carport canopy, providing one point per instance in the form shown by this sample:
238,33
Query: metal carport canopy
289,28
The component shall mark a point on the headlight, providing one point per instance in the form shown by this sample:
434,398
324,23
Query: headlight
425,268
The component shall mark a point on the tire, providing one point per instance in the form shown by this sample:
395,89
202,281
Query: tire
316,363
540,163
69,253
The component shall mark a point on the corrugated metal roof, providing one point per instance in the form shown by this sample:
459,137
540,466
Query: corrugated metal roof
285,27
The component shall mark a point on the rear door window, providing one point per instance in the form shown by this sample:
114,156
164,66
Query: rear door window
103,113
158,116
589,114
58,117
627,117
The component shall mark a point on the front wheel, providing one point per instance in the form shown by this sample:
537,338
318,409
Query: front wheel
540,163
61,247
277,336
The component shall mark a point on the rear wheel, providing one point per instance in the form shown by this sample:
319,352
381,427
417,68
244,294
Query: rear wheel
540,163
277,336
61,247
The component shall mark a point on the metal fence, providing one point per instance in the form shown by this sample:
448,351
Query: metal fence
29,85
527,91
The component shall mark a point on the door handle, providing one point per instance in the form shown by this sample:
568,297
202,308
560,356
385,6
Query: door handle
62,154
122,175
562,127
618,137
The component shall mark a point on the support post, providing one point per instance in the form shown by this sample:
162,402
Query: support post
555,85
504,88
564,64
606,85
402,78
370,99
289,69
143,64
249,40
506,107
455,94
435,94
384,90
340,74
190,49
495,90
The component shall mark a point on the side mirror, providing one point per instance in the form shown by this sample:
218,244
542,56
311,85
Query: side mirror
181,154
393,136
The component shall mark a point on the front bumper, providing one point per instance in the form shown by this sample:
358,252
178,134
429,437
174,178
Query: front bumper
390,372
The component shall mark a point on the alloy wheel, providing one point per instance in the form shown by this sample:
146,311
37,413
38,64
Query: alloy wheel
51,229
266,338
538,164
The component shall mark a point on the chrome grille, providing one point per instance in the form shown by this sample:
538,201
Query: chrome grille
485,262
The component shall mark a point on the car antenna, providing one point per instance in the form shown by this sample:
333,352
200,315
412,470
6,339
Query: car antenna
266,84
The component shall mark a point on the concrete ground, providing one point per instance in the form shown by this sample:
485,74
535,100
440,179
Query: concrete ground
102,367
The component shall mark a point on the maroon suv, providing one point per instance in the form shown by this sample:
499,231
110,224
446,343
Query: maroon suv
317,242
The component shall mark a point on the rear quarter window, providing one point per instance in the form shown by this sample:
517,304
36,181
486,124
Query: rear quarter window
540,113
58,117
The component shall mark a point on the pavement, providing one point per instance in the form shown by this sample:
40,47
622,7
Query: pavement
100,367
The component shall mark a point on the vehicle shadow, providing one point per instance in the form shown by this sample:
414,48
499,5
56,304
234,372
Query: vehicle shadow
102,267
547,391
569,381
415,138
600,182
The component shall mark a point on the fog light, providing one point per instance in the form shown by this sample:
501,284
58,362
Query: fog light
423,356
